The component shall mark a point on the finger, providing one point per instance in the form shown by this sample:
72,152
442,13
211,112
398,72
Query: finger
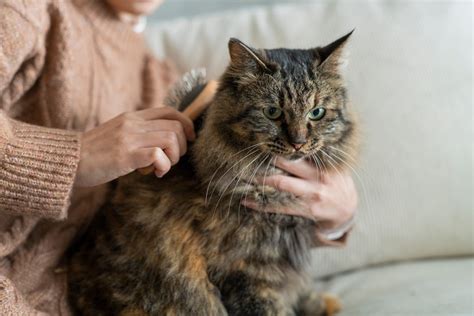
301,212
170,126
327,218
168,141
300,168
152,156
297,186
169,114
162,165
342,177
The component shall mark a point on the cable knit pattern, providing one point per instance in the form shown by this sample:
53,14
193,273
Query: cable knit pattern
11,238
15,22
12,303
22,81
65,67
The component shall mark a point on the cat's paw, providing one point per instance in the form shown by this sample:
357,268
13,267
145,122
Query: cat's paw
332,304
319,304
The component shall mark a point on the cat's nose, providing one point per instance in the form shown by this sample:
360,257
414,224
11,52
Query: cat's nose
297,146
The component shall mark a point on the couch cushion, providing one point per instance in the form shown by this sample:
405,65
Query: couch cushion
410,78
425,288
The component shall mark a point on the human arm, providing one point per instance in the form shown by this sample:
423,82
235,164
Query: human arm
37,164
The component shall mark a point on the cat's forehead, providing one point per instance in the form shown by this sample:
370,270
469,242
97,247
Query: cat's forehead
296,83
291,58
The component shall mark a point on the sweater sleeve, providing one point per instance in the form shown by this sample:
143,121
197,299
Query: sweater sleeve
37,168
37,164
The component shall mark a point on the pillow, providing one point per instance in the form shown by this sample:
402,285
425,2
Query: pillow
409,76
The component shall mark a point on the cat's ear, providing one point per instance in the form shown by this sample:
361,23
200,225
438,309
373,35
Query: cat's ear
330,57
244,59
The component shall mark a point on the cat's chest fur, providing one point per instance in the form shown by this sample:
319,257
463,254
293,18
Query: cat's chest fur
266,242
226,234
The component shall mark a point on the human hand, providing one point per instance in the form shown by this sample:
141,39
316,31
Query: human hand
330,199
155,136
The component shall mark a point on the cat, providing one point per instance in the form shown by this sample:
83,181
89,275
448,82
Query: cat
184,244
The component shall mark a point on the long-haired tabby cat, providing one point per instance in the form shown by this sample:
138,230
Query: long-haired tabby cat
184,244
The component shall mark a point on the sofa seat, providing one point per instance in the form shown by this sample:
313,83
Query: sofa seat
419,288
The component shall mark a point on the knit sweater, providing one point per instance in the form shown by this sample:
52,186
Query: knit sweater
65,67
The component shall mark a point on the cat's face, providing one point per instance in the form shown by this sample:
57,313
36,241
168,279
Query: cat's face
292,103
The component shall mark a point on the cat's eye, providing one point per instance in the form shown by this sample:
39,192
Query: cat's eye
316,114
272,112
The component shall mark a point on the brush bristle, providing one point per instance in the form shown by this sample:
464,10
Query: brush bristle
188,82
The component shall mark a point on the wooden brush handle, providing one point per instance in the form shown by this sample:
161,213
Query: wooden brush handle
193,111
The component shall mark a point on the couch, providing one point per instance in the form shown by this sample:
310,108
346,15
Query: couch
410,78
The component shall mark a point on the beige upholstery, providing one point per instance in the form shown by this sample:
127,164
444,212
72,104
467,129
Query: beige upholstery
422,288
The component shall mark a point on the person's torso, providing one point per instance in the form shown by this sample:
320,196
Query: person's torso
89,75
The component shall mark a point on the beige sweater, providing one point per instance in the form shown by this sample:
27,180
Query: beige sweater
65,67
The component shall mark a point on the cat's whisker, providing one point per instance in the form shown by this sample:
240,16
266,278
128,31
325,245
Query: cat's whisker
334,165
248,190
222,164
239,179
272,162
253,151
251,187
250,181
319,162
344,153
340,159
325,167
347,163
254,174
240,174
316,162
232,180
359,178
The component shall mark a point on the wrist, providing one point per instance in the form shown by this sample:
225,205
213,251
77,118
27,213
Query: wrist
337,232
